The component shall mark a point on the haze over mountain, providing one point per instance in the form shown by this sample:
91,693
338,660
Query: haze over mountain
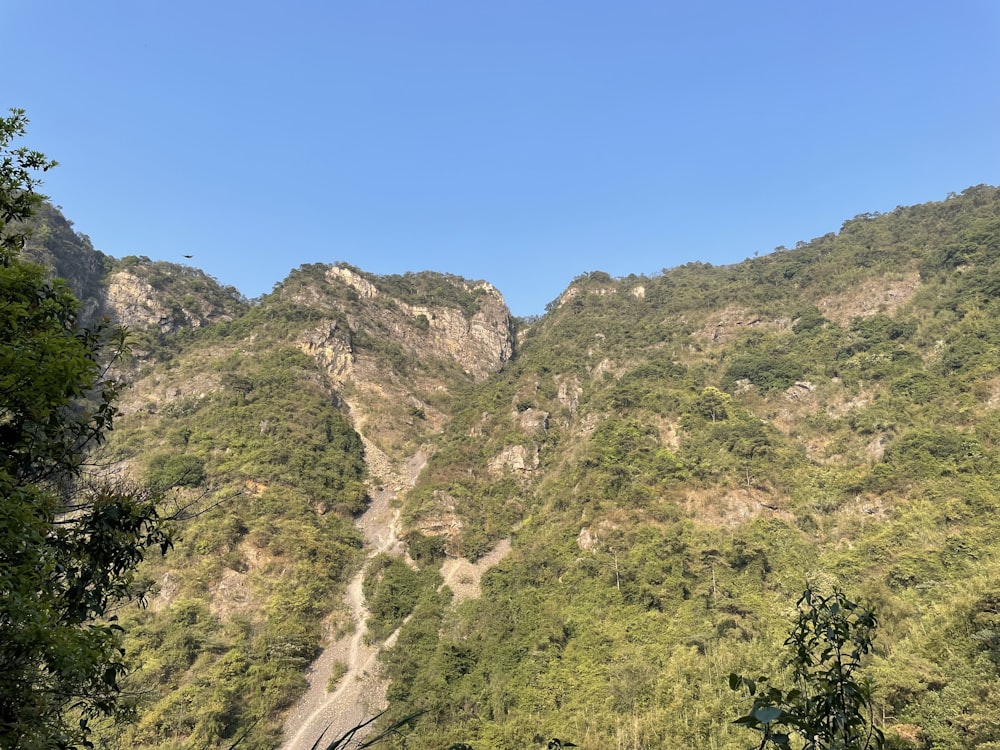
574,526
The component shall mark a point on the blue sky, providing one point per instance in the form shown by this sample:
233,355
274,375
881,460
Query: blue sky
523,143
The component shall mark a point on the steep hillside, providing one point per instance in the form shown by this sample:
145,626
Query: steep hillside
676,456
156,299
274,424
53,243
151,298
598,524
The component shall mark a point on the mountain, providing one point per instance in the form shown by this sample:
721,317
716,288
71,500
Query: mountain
574,526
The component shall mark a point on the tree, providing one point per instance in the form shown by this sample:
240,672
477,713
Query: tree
69,541
831,706
18,198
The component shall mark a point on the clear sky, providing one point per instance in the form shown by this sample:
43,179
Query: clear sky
520,142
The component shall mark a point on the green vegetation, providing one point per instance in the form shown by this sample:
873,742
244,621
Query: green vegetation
392,590
70,539
284,472
427,288
671,457
238,418
831,704
708,444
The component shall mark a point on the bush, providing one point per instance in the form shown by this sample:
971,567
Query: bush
175,470
769,371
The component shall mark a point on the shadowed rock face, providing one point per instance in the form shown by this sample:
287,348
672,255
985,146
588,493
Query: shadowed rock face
53,243
137,292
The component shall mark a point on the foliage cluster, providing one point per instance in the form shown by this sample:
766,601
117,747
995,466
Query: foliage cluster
70,540
707,443
392,590
284,471
831,705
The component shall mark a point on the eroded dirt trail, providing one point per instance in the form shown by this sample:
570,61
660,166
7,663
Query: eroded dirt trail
321,716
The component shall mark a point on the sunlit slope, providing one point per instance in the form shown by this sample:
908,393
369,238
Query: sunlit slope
676,456
670,459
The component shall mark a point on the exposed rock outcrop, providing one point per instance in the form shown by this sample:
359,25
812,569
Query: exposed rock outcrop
476,331
167,297
482,343
361,285
331,347
134,303
517,459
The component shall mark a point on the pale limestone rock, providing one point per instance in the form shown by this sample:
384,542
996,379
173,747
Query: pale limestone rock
573,292
482,343
331,348
799,390
605,365
586,540
444,522
134,302
364,288
869,298
532,420
569,295
517,459
569,392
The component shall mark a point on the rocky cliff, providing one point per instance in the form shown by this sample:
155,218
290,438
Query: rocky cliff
393,346
53,243
166,297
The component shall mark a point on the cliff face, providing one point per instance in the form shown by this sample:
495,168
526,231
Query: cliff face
134,303
325,395
166,297
426,317
141,294
480,341
53,243
392,348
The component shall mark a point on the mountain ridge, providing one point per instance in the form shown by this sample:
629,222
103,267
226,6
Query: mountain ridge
670,456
